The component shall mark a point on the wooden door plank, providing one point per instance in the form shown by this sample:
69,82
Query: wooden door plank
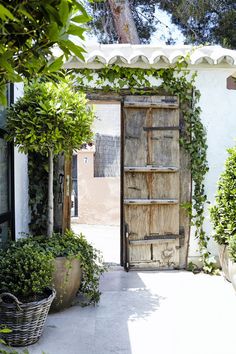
164,219
163,186
167,254
152,101
138,217
135,138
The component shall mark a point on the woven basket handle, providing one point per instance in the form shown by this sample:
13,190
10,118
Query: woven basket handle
18,303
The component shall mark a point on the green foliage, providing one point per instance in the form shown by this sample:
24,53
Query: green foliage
29,32
50,116
71,245
223,213
204,21
174,80
25,270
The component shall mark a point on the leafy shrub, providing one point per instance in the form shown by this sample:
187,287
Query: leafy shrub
71,245
223,213
25,270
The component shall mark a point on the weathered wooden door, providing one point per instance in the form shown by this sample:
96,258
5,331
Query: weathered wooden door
151,181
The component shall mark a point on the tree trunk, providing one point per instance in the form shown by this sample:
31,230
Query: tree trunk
50,194
124,22
66,217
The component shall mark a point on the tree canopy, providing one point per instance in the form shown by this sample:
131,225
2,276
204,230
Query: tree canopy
201,21
29,30
204,21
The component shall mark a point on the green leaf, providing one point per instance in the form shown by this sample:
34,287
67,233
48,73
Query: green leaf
3,98
5,64
76,31
81,8
53,13
53,31
64,11
56,64
5,13
81,19
26,13
5,330
77,50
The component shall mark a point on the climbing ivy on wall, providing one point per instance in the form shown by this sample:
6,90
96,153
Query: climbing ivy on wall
175,80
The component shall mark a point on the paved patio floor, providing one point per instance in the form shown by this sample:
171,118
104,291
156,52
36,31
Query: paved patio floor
105,238
169,312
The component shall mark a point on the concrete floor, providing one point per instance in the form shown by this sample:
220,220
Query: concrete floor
169,312
105,238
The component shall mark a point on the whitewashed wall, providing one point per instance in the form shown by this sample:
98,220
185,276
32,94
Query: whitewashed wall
21,182
219,118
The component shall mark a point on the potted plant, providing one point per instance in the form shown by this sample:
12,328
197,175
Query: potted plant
77,267
25,298
49,119
223,213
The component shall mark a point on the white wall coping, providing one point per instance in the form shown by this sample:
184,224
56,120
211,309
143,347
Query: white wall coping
130,55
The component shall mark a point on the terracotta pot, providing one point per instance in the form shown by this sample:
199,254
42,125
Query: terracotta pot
232,273
224,261
66,282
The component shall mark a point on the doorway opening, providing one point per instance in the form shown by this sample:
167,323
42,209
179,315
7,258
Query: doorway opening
96,183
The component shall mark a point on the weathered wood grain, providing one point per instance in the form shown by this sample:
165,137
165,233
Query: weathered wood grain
151,195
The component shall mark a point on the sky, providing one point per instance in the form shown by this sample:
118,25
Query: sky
165,28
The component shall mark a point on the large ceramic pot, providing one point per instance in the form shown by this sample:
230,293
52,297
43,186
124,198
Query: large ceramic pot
224,261
66,282
232,273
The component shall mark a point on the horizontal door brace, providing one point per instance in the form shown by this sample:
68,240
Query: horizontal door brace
151,169
161,128
149,201
162,104
149,240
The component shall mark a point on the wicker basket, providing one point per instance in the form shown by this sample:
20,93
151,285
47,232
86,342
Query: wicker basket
25,320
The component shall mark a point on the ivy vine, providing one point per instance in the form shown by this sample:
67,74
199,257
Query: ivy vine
174,80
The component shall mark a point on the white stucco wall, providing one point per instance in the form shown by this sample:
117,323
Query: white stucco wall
21,182
219,118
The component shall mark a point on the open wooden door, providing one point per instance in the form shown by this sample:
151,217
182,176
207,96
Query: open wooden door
151,195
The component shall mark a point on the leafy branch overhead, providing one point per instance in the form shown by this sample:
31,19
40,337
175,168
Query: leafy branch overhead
29,31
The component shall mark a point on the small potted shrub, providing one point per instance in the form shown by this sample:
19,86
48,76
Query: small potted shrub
77,266
223,213
25,298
